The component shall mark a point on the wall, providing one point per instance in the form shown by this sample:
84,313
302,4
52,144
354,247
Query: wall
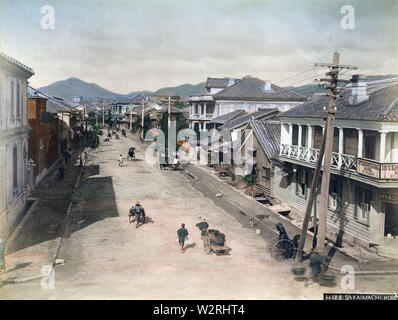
224,107
355,232
43,139
13,134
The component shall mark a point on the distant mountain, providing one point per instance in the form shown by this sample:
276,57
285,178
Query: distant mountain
184,90
75,87
72,87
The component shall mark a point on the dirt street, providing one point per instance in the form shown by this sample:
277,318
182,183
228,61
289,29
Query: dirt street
108,258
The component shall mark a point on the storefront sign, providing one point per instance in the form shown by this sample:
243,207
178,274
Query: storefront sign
386,196
389,171
368,168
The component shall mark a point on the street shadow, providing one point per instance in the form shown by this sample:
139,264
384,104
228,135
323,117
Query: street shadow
93,201
7,281
338,242
19,266
190,246
147,220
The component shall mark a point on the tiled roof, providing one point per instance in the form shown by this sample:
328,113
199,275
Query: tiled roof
16,62
382,105
122,101
53,105
218,82
172,110
242,120
252,89
228,117
268,136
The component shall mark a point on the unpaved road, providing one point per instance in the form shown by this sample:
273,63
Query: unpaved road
108,258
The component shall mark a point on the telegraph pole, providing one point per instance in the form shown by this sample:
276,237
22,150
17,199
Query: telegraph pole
142,120
169,111
310,202
334,68
103,114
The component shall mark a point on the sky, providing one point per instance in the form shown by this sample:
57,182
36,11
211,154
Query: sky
132,45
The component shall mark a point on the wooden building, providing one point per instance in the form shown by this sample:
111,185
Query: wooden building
363,195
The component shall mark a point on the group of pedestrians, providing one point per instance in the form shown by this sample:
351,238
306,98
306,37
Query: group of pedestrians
67,155
182,233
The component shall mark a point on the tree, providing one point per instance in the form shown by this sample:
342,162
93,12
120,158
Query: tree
92,118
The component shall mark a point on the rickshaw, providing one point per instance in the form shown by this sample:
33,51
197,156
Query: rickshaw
214,241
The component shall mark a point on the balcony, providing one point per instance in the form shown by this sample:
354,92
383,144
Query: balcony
202,97
373,169
200,116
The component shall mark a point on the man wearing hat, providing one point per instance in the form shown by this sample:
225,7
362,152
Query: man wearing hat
137,211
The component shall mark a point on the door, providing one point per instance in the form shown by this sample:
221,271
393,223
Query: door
391,219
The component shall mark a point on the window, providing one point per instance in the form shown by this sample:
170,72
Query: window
12,100
335,193
15,168
18,100
301,183
363,199
267,172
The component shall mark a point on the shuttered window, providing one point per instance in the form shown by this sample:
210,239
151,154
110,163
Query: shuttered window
301,182
335,194
362,206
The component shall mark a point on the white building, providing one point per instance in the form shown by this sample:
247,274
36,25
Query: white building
227,95
363,194
14,130
201,107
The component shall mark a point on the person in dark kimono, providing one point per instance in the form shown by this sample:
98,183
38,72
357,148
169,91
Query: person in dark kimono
182,234
203,226
316,264
61,172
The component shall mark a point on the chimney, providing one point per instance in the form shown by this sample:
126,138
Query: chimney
267,85
358,90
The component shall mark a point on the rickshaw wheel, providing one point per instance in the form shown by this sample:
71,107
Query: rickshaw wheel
283,250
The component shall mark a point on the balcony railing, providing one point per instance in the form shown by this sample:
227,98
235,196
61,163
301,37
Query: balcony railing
203,97
339,161
201,116
366,167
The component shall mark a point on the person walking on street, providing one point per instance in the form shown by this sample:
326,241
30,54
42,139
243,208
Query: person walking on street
136,213
81,160
203,226
316,265
66,156
182,236
61,172
120,160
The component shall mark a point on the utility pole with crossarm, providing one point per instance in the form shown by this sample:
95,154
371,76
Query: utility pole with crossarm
327,147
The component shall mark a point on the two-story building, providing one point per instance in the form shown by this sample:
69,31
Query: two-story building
14,131
44,141
227,95
201,107
363,195
251,94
